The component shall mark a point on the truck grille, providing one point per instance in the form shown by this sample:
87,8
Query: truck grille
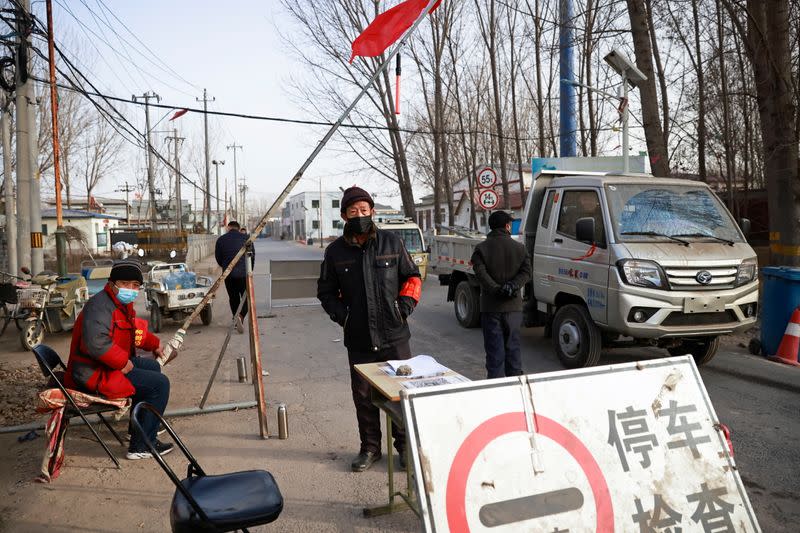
678,318
680,278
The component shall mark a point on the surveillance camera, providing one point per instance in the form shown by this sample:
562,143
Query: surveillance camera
624,67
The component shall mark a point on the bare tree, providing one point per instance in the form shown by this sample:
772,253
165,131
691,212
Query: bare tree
100,155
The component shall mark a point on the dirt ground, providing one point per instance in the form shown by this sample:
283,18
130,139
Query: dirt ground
311,467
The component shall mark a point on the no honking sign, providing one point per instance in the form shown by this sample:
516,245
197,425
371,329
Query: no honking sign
631,447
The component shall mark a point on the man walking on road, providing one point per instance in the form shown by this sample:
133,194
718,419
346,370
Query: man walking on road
502,268
226,248
369,285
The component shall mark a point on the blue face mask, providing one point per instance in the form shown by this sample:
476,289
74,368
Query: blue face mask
126,296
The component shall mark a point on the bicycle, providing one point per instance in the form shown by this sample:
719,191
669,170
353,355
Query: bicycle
10,310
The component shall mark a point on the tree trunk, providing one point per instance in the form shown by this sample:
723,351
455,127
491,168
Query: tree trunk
767,38
653,132
662,79
730,179
701,97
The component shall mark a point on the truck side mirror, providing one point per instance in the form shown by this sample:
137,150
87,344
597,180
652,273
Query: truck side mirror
744,223
584,230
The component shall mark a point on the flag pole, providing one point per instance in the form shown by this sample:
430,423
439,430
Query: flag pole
176,342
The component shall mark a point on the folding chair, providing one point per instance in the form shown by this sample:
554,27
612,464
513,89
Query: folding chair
203,503
49,361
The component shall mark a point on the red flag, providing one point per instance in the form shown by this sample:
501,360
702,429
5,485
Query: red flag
388,27
179,113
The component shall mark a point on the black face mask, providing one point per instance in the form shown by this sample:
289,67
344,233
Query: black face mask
358,225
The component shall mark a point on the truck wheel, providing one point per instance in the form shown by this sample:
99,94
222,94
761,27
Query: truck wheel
205,315
31,335
703,350
576,337
467,305
155,317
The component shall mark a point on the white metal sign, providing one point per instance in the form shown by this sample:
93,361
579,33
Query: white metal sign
630,447
487,178
488,199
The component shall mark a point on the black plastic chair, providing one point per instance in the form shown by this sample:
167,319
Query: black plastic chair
225,502
49,361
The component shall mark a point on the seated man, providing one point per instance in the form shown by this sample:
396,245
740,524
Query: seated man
102,356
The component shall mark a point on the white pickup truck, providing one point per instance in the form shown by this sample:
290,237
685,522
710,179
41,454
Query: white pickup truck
620,260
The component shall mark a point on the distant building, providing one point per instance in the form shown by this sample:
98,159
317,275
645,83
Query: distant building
300,219
116,207
93,228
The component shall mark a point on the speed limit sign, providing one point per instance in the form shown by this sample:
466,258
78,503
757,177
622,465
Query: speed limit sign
488,199
487,178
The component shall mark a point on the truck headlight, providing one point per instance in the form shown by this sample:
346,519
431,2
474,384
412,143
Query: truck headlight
642,273
748,270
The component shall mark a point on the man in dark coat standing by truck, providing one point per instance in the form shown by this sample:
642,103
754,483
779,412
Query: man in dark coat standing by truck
369,285
226,248
502,268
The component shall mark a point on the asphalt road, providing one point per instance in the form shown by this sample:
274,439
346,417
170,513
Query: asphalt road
752,397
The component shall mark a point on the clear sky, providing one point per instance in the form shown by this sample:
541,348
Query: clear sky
231,48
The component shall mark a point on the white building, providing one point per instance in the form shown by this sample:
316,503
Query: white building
301,217
94,228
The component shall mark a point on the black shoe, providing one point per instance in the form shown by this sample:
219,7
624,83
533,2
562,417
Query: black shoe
163,448
364,460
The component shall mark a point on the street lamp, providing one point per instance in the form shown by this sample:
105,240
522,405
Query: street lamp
630,75
216,173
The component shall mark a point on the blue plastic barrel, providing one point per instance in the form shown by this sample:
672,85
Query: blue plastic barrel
780,297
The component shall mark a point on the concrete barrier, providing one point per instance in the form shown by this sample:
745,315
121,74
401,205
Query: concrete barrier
199,247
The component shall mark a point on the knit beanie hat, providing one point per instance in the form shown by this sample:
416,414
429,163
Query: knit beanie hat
499,219
126,271
355,194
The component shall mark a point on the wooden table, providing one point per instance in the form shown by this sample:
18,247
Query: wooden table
386,397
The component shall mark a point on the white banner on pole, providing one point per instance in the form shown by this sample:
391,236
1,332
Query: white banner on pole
629,447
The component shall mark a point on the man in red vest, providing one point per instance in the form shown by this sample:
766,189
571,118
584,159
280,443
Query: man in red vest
103,360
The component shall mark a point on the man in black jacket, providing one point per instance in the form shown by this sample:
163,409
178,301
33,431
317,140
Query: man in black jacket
369,285
502,268
226,248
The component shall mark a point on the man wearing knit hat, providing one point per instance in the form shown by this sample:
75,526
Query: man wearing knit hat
103,359
502,268
369,285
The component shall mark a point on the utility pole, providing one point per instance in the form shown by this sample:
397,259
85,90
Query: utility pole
61,236
205,101
243,221
235,147
24,170
11,217
127,190
178,209
568,124
149,148
216,164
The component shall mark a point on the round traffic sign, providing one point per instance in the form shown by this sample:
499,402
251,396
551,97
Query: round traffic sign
493,428
487,178
488,199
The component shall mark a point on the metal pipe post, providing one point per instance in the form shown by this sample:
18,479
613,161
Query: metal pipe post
568,125
625,141
255,349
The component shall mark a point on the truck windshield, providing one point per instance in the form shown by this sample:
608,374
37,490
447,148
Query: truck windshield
410,237
646,212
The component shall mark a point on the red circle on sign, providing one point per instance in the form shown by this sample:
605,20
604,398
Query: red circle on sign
493,175
485,195
473,445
